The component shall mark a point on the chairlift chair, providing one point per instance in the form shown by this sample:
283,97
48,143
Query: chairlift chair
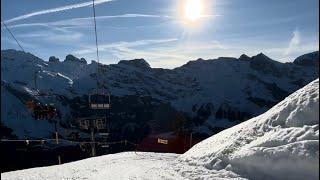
42,111
95,122
99,101
84,124
100,123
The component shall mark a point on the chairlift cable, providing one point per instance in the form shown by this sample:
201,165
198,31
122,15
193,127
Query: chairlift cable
12,35
95,29
96,38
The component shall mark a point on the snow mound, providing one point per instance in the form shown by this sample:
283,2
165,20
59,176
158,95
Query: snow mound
282,143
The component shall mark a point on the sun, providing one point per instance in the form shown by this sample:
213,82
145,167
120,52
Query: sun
193,10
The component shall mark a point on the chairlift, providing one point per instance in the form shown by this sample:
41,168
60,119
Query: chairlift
84,124
100,124
104,134
39,110
99,101
105,146
42,111
95,122
45,112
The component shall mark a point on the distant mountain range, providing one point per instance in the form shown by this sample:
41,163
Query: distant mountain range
206,95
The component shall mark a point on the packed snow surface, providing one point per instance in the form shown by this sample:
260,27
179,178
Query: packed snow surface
282,143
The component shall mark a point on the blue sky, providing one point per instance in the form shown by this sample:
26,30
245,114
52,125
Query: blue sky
154,29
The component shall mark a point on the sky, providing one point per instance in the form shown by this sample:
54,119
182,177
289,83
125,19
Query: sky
161,31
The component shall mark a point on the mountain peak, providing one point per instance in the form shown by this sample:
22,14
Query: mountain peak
261,57
244,57
309,59
71,58
53,59
136,62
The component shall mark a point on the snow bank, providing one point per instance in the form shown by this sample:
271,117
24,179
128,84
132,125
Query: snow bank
282,143
121,166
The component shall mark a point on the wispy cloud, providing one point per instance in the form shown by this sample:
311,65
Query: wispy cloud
87,21
7,43
134,15
167,53
46,25
52,36
118,46
294,42
137,49
58,9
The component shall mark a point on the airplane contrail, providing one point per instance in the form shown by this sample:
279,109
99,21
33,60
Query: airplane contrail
58,9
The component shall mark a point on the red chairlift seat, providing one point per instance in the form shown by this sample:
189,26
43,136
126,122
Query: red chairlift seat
43,112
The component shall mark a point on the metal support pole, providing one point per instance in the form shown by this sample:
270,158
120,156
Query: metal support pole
93,149
57,140
57,136
59,159
35,80
190,139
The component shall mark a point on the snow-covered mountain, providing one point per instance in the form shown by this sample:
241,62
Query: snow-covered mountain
282,143
212,94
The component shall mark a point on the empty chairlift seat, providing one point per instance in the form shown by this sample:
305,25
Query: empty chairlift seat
98,123
84,124
99,101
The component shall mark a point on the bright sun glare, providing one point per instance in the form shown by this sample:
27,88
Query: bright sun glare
193,10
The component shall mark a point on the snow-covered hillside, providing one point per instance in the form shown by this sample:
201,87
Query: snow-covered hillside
203,89
282,143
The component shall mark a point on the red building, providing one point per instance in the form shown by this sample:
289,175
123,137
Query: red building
166,142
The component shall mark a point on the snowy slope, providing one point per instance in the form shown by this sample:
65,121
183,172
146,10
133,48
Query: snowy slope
282,143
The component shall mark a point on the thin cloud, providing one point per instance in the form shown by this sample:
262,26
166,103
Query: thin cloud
53,10
53,36
133,16
294,42
123,44
210,15
160,52
38,24
86,21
